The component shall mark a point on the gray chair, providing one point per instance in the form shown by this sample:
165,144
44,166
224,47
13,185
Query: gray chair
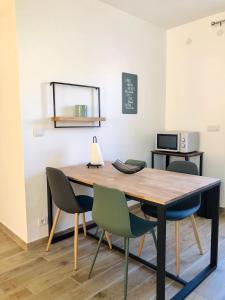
65,199
179,211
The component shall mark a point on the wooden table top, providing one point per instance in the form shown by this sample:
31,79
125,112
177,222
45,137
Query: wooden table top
157,186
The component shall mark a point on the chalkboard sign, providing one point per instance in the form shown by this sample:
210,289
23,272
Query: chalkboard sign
129,93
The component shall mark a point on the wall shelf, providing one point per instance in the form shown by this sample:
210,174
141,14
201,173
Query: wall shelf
77,119
68,121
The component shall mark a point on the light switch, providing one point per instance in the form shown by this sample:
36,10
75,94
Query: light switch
38,131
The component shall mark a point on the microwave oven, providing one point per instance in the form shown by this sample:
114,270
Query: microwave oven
177,141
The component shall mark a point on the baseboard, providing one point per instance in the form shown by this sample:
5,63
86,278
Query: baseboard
43,241
37,243
20,242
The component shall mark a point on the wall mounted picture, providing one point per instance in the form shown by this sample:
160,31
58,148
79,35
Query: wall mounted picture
129,93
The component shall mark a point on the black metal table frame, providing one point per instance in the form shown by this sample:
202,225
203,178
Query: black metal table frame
160,268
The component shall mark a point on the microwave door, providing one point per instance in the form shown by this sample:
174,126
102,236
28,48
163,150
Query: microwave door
168,142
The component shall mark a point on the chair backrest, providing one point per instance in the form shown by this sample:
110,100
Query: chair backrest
134,162
62,191
110,210
186,167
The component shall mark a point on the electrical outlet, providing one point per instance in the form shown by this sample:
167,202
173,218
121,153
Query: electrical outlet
43,221
213,128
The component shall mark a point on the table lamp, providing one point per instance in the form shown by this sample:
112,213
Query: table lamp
96,155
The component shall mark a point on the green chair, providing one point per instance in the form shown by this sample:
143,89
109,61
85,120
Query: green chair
142,163
110,212
134,162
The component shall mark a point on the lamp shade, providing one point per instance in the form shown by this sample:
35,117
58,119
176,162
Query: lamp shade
96,154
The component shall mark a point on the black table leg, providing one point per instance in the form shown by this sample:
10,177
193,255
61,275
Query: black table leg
152,160
161,253
50,216
215,227
200,164
167,161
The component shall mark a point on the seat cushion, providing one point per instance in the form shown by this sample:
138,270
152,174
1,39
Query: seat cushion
140,226
176,212
85,202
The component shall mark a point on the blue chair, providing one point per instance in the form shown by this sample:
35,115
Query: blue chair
179,211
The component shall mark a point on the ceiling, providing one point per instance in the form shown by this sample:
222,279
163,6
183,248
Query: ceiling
169,13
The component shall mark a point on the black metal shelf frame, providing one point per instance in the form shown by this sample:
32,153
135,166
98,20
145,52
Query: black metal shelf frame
54,83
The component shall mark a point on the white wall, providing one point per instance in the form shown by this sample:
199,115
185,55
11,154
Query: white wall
87,42
195,88
12,191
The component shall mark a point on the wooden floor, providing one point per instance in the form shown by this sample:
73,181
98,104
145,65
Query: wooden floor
35,274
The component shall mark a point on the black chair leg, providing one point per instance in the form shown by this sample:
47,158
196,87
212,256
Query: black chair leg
96,254
126,246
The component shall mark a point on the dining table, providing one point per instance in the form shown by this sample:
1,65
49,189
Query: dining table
162,189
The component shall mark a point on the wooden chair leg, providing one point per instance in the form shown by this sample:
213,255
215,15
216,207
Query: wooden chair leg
53,228
84,225
177,233
108,240
152,231
140,245
154,237
142,239
76,221
196,234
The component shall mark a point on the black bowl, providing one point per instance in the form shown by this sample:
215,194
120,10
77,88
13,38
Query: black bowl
125,168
